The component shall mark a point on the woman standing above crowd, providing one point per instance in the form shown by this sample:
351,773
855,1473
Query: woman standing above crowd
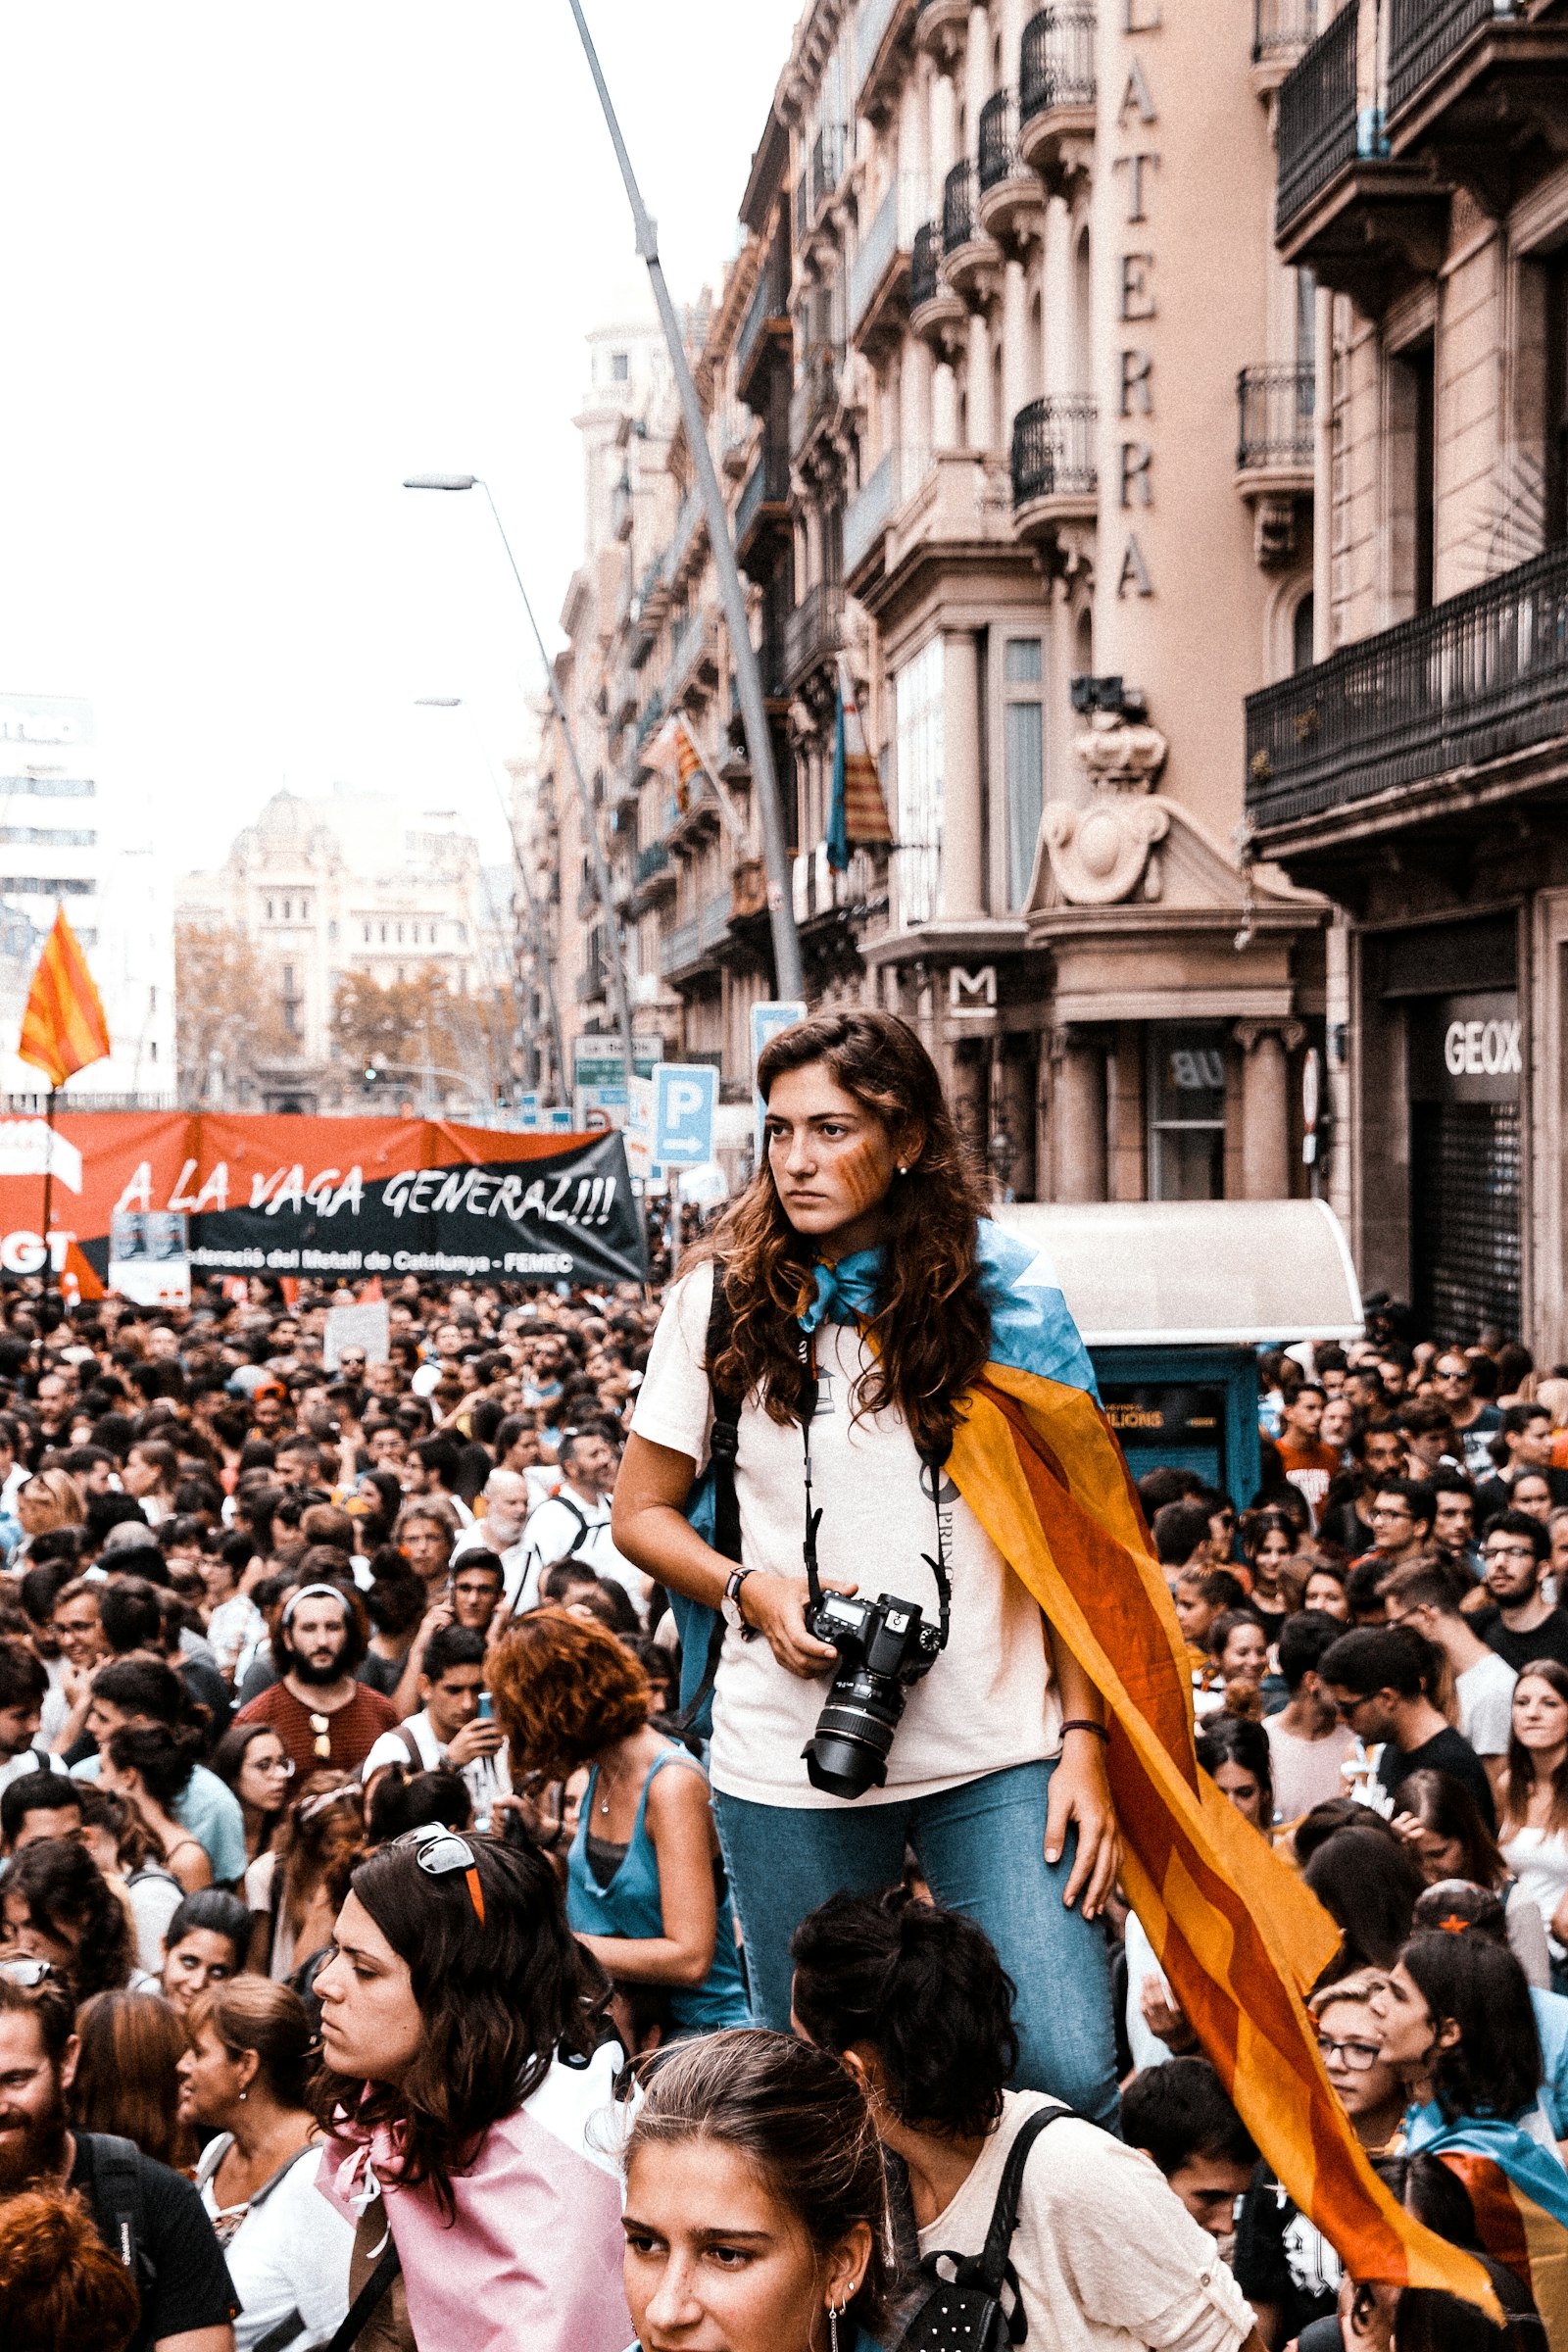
1532,1832
853,1317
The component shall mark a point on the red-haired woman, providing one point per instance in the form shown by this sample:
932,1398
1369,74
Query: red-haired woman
640,1877
855,1314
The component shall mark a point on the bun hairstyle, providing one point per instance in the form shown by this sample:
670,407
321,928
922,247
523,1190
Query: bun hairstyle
161,1759
922,1986
800,2121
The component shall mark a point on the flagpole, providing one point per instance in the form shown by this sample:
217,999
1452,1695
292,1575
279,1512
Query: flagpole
48,1199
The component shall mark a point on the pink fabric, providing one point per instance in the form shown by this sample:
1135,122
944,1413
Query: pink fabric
532,2260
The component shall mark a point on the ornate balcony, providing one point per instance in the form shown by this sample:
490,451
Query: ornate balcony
764,330
1057,95
941,27
878,273
763,503
815,631
1012,203
687,949
1434,719
967,251
1476,88
1275,453
935,311
815,399
1055,483
1362,223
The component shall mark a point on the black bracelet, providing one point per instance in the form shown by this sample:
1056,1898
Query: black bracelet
1082,1724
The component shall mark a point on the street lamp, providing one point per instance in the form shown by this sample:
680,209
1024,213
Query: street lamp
788,970
541,949
619,991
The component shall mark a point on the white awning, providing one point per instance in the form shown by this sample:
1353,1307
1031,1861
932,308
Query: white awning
1197,1273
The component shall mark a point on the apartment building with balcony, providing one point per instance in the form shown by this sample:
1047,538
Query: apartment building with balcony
1053,458
1416,773
1014,398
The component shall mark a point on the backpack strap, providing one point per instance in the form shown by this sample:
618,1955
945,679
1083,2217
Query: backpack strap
581,1517
117,2194
723,1445
359,2311
993,2262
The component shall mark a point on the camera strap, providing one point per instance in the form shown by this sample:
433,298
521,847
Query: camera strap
933,1463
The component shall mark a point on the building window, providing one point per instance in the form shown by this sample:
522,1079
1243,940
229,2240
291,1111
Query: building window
1186,1115
917,690
331,933
1302,634
1413,418
288,910
400,935
621,367
305,911
383,935
1024,740
270,911
1556,421
152,1049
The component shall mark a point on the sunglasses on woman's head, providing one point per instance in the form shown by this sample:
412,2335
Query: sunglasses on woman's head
439,1852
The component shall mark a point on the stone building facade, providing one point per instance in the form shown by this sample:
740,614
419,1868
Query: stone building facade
1014,394
1414,773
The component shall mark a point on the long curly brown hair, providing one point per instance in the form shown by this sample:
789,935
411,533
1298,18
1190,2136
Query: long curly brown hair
932,1332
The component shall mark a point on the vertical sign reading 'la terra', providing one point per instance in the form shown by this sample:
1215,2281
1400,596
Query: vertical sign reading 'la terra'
1135,179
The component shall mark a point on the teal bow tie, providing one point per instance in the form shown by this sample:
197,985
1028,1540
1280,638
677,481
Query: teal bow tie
846,1292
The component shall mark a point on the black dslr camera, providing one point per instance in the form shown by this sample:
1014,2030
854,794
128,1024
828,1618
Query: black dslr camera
885,1647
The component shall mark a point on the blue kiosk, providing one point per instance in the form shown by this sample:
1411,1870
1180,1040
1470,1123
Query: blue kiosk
1174,1300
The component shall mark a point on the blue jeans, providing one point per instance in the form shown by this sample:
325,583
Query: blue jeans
981,1848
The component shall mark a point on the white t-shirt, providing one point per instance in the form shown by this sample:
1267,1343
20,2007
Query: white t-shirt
289,2254
1538,1860
571,1526
29,1759
485,1779
1486,1703
987,1704
1106,2256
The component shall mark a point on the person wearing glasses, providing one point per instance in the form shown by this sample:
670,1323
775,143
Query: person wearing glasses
463,2037
1402,1515
1520,1624
1284,2265
1475,1422
321,1713
1380,1678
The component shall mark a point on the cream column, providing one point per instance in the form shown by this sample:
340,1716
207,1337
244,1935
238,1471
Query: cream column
944,406
1015,354
962,891
1265,1132
982,433
977,68
1080,1122
942,141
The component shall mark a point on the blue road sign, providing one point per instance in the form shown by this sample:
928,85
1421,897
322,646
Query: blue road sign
685,1098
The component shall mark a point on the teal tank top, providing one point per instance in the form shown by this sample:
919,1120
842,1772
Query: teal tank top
630,1906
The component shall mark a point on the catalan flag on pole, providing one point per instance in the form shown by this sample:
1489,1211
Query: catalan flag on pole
64,1027
858,816
675,753
1239,1936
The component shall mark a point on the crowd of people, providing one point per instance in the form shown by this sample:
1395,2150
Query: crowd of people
437,1907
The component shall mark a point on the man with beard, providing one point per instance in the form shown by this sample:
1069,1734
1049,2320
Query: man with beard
323,1717
143,2212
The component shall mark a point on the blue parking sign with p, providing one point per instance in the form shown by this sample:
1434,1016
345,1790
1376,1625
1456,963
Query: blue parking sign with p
685,1098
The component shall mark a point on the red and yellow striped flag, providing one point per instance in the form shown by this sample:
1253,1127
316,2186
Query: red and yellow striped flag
1237,1933
64,1027
675,751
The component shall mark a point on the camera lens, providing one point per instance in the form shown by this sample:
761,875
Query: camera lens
848,1753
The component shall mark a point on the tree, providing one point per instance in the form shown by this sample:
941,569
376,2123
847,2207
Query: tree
222,1010
409,1025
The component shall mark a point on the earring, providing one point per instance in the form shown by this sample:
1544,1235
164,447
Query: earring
244,2095
903,1171
833,2326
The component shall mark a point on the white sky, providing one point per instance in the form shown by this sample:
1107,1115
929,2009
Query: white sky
257,263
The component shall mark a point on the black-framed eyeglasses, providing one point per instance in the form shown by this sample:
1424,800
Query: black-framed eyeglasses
439,1852
1359,2056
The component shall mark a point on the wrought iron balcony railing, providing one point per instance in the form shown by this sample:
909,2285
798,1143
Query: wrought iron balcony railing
1476,679
1053,450
958,217
1316,123
1057,66
1422,34
815,629
998,140
1275,406
924,263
